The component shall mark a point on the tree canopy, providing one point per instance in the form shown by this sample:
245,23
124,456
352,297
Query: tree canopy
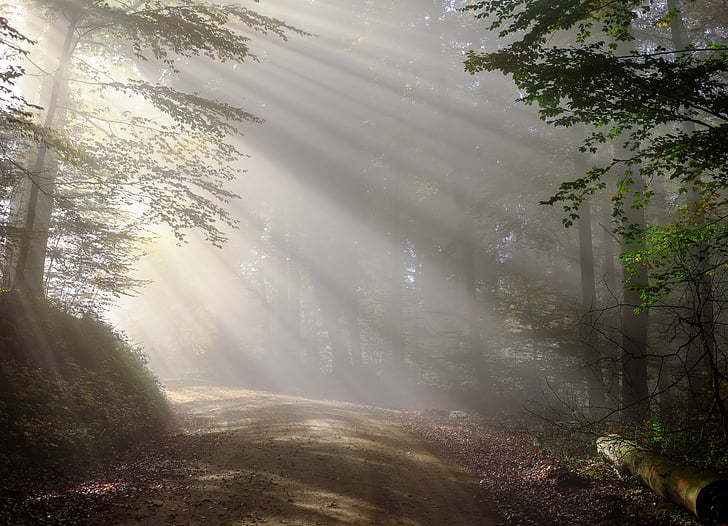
171,161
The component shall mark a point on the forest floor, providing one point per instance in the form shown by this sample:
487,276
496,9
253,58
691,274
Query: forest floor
531,486
248,458
253,458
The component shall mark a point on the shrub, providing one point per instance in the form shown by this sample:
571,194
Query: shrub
70,387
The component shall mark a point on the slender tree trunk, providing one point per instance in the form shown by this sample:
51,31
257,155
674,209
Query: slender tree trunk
609,271
309,320
26,270
294,307
280,311
395,310
469,284
354,334
680,39
701,357
635,391
592,355
586,257
395,307
331,311
475,344
610,297
277,280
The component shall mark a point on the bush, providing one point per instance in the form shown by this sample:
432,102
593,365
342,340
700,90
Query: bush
70,387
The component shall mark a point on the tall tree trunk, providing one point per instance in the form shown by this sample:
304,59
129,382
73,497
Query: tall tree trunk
311,354
354,334
680,39
635,399
635,391
475,343
610,297
700,361
609,272
294,305
280,311
469,284
27,268
331,313
592,355
277,280
395,307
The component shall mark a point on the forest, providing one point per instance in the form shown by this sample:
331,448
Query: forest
358,262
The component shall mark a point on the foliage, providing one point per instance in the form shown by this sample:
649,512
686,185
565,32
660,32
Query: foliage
655,117
677,255
14,45
14,109
70,387
150,150
666,110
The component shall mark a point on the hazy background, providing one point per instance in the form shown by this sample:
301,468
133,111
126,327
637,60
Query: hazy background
389,196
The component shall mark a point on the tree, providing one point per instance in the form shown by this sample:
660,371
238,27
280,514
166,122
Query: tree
665,109
172,159
18,130
592,358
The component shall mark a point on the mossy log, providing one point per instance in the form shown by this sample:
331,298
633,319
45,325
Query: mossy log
703,492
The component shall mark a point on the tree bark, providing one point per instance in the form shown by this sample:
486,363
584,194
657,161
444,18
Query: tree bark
700,359
26,270
635,391
469,284
702,492
609,272
592,354
277,282
634,394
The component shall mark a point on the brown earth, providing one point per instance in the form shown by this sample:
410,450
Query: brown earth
278,460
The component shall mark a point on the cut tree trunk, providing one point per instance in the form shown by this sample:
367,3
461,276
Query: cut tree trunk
702,492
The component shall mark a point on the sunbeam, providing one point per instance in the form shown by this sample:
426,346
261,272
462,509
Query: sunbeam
361,262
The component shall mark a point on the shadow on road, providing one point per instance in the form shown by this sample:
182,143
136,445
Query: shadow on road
269,459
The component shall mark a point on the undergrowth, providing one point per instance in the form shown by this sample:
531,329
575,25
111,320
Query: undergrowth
70,388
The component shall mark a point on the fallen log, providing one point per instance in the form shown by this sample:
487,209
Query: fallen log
702,492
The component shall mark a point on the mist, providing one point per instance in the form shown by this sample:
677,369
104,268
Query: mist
487,238
388,206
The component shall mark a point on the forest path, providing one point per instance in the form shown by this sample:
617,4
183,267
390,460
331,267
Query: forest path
279,460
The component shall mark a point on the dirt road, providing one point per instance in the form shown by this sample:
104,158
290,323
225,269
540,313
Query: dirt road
281,460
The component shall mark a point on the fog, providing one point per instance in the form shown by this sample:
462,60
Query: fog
367,227
389,227
363,261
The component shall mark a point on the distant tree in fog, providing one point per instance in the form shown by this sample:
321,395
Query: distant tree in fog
633,74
